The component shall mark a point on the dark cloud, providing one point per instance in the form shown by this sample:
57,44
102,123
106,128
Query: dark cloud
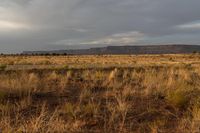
40,24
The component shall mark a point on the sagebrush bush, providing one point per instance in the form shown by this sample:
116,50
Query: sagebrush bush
3,67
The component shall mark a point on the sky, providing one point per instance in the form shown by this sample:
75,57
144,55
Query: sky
70,24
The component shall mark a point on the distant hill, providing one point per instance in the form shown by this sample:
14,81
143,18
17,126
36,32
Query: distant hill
148,49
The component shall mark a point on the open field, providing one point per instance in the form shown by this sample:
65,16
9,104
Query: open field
119,93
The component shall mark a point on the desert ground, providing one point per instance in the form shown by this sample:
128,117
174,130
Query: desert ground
100,93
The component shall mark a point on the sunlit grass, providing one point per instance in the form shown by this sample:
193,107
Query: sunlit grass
151,93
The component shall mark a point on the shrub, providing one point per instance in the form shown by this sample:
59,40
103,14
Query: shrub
2,95
178,98
2,67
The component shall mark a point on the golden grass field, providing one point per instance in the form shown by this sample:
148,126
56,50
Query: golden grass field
100,94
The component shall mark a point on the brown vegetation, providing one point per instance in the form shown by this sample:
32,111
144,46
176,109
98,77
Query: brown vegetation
142,94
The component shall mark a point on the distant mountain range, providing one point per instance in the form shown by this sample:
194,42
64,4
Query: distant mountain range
148,49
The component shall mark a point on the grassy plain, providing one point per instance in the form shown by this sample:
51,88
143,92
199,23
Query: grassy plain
108,93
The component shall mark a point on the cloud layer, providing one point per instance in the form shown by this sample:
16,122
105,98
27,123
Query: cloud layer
40,24
121,38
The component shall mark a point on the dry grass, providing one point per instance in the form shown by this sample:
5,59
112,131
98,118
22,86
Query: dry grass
151,93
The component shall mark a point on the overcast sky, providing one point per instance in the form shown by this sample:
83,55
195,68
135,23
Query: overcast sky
56,24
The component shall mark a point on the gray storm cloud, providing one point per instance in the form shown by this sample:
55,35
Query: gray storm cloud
41,24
